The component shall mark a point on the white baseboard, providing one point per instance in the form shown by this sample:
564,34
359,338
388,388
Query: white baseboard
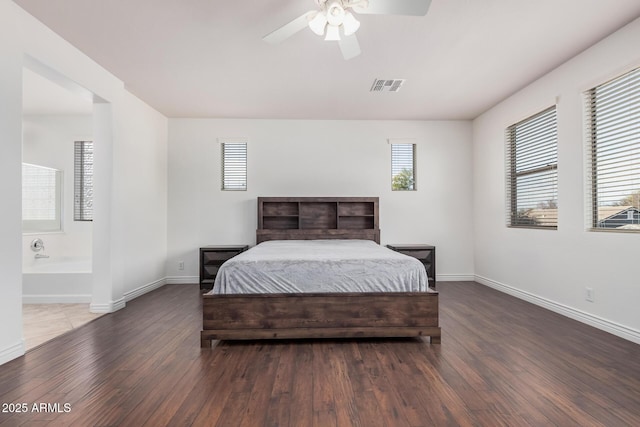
128,296
109,307
12,352
579,315
103,308
119,304
455,277
56,299
182,280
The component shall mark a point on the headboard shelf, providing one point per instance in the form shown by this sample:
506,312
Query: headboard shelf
302,218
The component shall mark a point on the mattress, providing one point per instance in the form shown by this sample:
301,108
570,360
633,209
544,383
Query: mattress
305,266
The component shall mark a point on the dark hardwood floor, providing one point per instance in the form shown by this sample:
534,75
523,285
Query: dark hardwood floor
502,361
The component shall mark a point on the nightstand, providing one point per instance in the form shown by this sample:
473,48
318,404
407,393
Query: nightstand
425,253
212,257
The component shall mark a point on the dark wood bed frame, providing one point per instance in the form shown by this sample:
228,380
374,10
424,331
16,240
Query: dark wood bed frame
319,315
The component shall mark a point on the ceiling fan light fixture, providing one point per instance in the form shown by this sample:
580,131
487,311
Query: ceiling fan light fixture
334,20
335,13
318,23
333,33
350,24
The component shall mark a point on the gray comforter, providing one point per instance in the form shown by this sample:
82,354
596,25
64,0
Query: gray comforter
303,266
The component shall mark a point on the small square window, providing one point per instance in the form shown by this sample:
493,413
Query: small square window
41,199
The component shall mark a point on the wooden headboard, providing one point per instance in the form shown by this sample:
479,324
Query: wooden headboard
304,218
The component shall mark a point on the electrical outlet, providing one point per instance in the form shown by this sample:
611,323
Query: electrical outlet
589,294
180,265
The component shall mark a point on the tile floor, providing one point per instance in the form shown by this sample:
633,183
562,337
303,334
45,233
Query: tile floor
42,322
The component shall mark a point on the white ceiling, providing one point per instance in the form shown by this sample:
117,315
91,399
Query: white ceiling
206,58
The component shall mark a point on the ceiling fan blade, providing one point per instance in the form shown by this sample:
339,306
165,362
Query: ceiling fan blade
287,30
349,46
395,7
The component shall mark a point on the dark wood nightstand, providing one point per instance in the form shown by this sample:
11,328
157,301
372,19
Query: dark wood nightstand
425,253
212,257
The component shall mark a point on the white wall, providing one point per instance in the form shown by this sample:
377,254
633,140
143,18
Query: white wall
553,268
11,343
48,140
123,126
140,198
320,158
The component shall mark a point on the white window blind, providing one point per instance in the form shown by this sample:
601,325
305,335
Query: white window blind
41,198
532,171
83,181
234,164
403,166
613,148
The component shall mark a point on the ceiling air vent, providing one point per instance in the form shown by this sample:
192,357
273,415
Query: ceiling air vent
381,85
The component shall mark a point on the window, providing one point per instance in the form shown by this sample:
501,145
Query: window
403,166
532,171
83,181
613,148
41,199
234,163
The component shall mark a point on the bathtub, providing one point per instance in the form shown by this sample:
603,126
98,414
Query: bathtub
58,265
57,280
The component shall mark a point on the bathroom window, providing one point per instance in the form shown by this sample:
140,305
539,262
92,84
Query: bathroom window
234,163
41,199
83,181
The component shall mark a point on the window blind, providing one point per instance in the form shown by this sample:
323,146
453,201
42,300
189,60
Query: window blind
613,147
83,181
234,165
403,166
532,171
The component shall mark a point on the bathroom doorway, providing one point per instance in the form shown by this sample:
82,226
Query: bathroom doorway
57,243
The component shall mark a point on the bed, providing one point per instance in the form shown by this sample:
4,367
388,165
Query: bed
308,237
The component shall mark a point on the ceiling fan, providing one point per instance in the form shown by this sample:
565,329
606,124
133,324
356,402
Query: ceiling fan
335,20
